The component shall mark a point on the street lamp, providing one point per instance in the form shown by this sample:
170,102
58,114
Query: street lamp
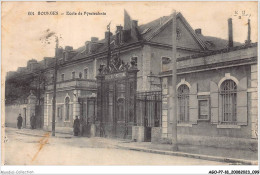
54,85
45,38
172,90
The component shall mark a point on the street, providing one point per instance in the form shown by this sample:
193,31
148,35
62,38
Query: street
21,149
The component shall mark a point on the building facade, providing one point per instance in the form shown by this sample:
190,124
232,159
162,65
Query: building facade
217,84
217,98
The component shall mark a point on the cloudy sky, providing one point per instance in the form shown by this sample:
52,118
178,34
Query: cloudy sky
21,32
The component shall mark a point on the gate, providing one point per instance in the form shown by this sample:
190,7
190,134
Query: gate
87,114
116,98
149,111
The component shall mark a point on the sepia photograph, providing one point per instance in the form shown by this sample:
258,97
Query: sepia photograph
130,84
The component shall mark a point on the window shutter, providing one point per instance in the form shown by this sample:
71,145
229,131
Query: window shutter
193,104
61,111
71,117
242,102
214,102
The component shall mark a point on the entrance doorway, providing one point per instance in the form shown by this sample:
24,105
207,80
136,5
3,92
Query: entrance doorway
24,114
87,114
116,103
149,111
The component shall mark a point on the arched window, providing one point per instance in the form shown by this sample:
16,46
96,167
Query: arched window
67,108
121,109
228,92
183,103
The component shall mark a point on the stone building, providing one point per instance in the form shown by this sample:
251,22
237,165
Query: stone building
213,76
217,98
149,44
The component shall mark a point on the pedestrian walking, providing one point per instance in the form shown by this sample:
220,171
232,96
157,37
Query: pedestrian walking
19,121
82,125
76,126
33,121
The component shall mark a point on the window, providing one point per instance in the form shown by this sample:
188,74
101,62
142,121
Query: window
121,109
165,64
134,61
203,109
62,77
86,73
67,106
183,103
59,115
228,94
73,75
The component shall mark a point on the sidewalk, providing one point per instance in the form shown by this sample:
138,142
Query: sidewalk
38,132
206,153
245,157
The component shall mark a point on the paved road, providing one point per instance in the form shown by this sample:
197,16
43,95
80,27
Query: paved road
23,149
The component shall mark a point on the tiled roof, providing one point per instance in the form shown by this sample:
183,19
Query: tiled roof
148,29
214,43
223,50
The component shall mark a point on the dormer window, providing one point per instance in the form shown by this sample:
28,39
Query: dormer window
62,77
134,60
86,73
73,75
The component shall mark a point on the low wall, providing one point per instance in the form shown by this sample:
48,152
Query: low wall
11,114
218,142
208,141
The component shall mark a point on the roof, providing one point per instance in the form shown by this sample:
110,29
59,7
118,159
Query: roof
151,29
211,43
214,43
148,29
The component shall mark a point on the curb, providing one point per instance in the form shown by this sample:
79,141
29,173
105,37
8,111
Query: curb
196,156
171,153
38,135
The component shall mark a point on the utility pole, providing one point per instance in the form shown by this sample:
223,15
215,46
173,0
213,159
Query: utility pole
108,45
248,41
54,86
172,89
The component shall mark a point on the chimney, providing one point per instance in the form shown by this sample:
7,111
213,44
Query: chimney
66,52
119,28
198,31
135,22
94,39
87,46
248,41
134,29
230,33
107,35
68,48
118,34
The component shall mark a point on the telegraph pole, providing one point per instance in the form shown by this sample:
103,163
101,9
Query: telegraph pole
172,89
108,45
54,86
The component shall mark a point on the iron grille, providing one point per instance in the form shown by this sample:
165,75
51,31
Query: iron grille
183,103
149,108
229,101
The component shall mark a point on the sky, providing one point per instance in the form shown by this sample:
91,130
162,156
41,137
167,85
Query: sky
21,32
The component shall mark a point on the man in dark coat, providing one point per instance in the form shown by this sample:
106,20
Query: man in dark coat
76,126
19,121
33,121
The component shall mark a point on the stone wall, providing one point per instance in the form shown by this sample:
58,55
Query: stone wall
202,82
253,100
11,114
